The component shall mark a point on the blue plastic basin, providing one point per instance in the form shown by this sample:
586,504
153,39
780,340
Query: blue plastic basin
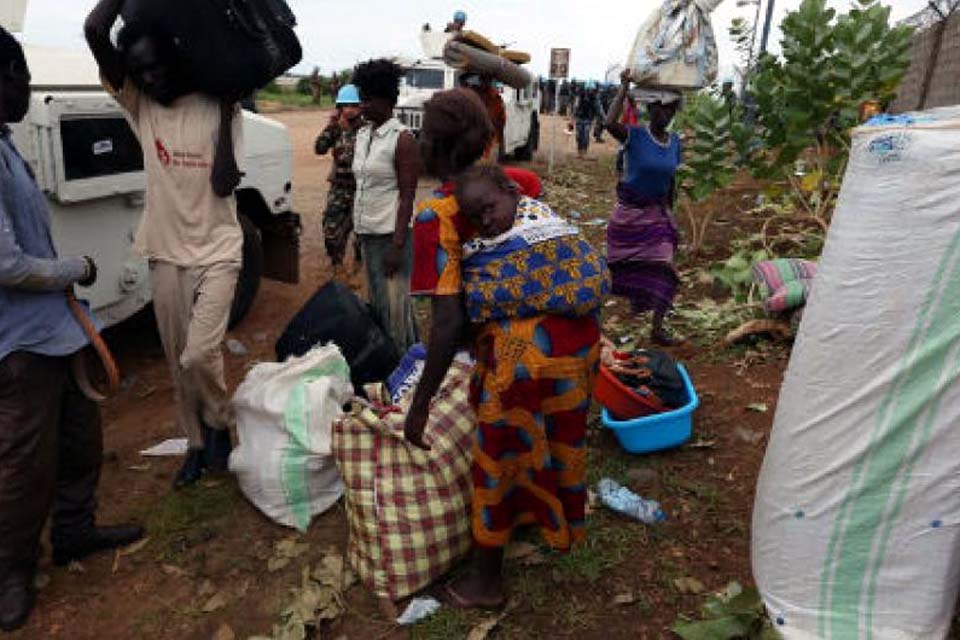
660,431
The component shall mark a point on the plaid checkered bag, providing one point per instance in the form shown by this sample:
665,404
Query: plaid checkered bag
408,509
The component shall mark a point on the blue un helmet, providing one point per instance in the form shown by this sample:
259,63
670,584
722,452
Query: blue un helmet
460,16
348,95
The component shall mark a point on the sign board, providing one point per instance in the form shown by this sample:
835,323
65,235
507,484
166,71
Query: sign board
559,63
12,13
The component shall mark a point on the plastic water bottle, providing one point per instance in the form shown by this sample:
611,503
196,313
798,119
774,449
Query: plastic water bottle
625,502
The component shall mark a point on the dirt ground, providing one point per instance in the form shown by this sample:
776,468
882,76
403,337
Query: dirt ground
206,564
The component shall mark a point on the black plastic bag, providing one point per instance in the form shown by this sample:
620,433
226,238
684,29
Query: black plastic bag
335,314
228,48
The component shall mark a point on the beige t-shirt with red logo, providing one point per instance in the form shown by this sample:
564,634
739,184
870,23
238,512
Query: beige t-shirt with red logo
184,222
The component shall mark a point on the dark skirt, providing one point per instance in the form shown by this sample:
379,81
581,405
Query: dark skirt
642,239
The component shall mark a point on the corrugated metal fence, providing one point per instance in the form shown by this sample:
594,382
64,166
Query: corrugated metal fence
933,79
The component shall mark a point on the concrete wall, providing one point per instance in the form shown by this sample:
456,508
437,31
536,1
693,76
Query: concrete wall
945,83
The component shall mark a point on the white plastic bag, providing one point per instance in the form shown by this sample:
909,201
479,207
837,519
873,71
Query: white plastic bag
675,48
856,530
285,415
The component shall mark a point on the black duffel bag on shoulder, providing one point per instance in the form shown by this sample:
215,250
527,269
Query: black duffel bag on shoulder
228,48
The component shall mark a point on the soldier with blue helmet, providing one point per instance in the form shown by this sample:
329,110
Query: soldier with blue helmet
339,137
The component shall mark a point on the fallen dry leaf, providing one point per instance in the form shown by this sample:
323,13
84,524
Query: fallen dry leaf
172,570
624,599
276,564
76,567
134,548
217,602
206,589
224,633
690,586
485,627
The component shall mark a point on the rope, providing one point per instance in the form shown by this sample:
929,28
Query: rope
96,341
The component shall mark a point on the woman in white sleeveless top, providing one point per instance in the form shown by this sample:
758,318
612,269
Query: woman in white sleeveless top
386,166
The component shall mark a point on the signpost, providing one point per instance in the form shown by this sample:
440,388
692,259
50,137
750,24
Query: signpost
559,70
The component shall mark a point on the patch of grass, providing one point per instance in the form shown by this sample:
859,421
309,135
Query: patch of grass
294,99
530,587
586,563
603,464
189,516
710,495
446,624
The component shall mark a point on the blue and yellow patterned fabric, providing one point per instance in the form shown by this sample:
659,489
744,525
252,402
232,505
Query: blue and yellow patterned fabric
540,266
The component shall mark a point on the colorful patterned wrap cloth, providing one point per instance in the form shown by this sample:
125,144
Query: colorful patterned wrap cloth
540,266
785,282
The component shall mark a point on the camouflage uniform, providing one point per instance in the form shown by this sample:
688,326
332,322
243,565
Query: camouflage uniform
338,216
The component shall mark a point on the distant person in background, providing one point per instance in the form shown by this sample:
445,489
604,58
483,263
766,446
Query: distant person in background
642,236
585,112
496,109
604,102
315,89
458,24
190,232
729,95
340,137
334,85
386,166
51,439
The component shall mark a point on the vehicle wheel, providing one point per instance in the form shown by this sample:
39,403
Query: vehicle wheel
533,141
250,272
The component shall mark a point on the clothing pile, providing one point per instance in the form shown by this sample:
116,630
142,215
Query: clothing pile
784,283
652,375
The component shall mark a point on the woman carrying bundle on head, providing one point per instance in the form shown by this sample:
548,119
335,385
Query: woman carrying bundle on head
642,236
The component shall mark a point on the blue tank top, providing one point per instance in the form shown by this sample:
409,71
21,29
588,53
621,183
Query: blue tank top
651,166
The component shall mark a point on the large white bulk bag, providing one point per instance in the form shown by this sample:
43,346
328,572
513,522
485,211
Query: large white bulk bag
675,48
856,530
285,414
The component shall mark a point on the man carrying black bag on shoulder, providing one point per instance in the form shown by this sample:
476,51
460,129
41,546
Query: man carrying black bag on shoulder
190,232
51,442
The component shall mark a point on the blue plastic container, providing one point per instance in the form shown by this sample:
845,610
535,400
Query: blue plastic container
660,431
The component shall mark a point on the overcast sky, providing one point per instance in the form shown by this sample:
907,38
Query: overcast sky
336,34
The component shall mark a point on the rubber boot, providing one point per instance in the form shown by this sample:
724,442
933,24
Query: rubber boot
217,447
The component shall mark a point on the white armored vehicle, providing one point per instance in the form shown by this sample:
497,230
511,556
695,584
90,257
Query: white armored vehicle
429,74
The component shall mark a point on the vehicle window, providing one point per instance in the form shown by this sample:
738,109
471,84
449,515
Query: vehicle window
425,78
98,147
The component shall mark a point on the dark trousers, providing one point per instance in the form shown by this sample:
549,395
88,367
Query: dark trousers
583,134
51,449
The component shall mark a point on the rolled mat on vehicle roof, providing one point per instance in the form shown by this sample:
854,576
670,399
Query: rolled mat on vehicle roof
227,47
470,58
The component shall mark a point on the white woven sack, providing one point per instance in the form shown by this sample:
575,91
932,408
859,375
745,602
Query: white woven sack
285,415
856,530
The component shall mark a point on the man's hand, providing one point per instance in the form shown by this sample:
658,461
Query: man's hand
393,260
91,278
226,176
415,425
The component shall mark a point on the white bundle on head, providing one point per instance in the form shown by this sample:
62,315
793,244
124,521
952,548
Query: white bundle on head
649,96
